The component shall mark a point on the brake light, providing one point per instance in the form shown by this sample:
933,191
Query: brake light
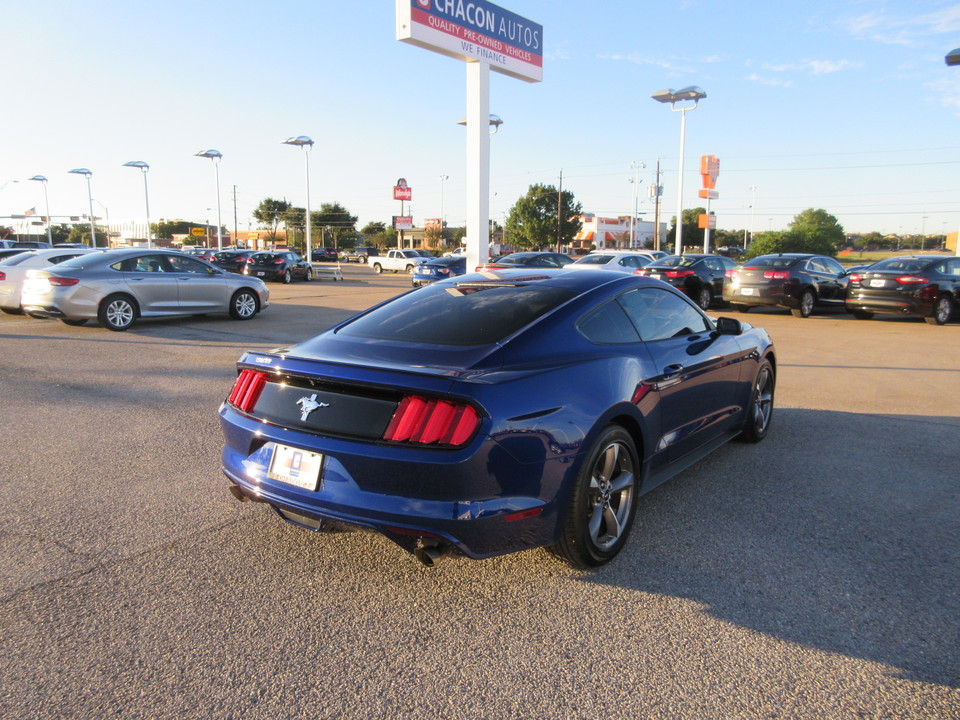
679,273
731,273
641,271
246,391
3,275
63,282
856,277
776,275
278,261
911,280
432,422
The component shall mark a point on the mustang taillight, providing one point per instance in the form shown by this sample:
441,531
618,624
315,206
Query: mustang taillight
911,280
679,273
776,275
246,391
423,421
63,282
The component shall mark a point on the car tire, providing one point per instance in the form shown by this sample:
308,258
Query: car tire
409,270
287,277
74,322
309,276
377,268
117,312
704,298
861,314
362,259
604,501
760,409
805,308
244,305
740,308
942,311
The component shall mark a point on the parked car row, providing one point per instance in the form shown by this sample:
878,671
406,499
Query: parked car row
119,286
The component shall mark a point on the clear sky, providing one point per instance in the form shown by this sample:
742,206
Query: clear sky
845,105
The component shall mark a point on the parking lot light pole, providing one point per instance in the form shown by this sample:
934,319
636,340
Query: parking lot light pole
306,143
694,94
953,58
145,168
46,199
88,174
215,156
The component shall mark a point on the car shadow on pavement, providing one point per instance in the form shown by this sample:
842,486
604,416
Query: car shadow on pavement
845,541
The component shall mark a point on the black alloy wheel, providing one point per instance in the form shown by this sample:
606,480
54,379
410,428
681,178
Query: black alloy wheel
760,409
942,311
704,298
805,308
604,502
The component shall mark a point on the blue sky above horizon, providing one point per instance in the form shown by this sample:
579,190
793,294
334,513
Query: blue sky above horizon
844,105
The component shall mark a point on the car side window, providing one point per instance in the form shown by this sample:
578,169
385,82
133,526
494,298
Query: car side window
608,325
187,265
659,314
713,264
832,266
816,265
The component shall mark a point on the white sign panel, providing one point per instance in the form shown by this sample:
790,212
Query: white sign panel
474,30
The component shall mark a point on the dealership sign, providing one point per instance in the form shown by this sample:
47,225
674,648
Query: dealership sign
474,31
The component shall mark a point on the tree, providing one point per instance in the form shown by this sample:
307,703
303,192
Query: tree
811,231
270,213
692,234
336,218
532,222
166,229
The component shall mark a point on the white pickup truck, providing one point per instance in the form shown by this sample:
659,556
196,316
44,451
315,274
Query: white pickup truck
396,260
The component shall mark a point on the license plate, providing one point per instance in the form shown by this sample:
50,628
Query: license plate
294,466
746,291
260,274
877,283
656,276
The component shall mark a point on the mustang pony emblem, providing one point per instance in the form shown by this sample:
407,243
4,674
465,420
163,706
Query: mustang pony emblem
308,405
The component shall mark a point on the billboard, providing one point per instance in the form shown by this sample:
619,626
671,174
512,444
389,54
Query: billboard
403,222
474,31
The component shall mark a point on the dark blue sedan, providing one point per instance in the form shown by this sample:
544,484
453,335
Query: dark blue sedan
492,413
441,268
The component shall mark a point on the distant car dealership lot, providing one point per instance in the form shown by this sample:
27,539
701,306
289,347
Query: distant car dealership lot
812,575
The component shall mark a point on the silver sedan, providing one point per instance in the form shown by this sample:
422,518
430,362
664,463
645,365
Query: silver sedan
117,287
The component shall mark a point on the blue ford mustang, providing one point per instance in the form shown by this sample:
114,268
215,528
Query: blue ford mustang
495,412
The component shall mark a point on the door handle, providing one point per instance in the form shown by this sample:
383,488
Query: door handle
672,371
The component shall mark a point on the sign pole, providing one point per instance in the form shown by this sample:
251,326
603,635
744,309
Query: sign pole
478,164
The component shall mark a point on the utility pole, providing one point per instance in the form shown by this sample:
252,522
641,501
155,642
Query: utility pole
236,234
656,206
559,205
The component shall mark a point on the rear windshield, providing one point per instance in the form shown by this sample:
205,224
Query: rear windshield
17,259
675,261
82,261
594,260
775,261
266,257
465,314
900,265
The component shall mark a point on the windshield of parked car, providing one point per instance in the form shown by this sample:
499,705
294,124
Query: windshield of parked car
17,259
777,261
675,261
468,314
900,265
265,258
594,260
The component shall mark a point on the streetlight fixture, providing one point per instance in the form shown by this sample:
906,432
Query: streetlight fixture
692,94
145,168
306,143
46,199
215,156
88,174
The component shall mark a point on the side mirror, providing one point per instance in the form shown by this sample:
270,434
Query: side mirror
729,326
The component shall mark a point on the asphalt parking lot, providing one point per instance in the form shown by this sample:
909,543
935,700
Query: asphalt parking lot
815,575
